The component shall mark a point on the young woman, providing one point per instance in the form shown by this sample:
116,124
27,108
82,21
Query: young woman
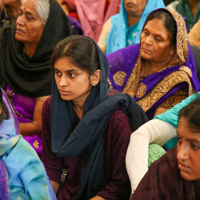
86,129
176,175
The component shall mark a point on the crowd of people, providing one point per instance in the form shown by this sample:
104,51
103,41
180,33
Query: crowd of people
99,100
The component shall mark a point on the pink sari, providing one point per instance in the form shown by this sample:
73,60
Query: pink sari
92,15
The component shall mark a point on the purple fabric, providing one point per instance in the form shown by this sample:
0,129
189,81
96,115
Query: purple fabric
4,188
125,59
25,106
76,26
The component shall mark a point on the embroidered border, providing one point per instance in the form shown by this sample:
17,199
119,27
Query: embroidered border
141,90
132,82
181,37
164,86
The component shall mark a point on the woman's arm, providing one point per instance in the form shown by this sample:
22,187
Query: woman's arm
52,163
102,43
34,127
154,131
116,142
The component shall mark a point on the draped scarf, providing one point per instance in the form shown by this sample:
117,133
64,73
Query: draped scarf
118,33
69,140
32,77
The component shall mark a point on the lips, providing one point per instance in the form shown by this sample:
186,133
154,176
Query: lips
19,30
183,167
130,4
146,50
64,92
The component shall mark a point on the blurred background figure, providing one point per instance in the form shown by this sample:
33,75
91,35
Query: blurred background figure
124,29
189,9
91,14
9,10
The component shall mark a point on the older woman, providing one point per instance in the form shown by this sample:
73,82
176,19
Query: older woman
25,61
160,71
176,175
124,29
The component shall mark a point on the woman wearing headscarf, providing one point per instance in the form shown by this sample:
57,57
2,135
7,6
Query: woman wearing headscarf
124,29
189,9
86,128
160,71
25,61
176,175
25,174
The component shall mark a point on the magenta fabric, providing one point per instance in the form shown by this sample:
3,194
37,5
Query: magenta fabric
116,140
92,15
163,181
25,106
125,59
4,188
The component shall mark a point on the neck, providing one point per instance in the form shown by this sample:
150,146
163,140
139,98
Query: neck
78,107
13,9
29,49
132,20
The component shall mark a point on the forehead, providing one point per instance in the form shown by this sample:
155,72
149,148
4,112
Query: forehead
64,64
29,6
158,26
184,131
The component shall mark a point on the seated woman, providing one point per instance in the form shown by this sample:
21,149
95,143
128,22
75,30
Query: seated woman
176,175
86,129
25,171
160,71
157,131
189,9
9,11
124,29
26,49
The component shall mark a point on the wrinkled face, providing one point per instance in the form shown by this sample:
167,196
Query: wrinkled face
188,151
29,25
155,42
135,7
73,83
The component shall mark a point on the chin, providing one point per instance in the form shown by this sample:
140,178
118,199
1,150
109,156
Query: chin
19,38
188,177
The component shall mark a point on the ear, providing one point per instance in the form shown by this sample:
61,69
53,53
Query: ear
95,78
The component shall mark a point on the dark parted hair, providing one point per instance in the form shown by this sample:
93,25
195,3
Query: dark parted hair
192,114
4,109
81,50
169,23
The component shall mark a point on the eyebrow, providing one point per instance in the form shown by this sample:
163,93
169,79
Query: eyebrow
70,70
191,140
27,12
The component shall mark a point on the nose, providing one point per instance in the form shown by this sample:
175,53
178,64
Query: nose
183,151
148,40
63,82
20,20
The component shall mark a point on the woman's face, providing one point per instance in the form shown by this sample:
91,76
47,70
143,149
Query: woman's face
73,83
135,7
188,151
29,25
155,42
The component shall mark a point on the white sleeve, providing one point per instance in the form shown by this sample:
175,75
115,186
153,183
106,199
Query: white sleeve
155,131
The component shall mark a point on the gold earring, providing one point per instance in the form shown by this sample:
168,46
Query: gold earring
171,53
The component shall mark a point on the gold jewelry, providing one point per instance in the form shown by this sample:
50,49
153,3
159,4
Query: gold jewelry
145,75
